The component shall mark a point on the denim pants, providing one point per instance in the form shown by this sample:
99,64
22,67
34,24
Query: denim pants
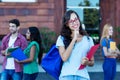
72,77
109,68
11,75
30,76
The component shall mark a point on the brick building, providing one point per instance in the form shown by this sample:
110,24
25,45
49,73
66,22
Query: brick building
48,13
110,12
42,13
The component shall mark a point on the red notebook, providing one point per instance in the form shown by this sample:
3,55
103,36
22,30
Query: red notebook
90,54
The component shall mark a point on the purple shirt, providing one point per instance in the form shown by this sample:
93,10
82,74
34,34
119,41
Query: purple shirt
21,42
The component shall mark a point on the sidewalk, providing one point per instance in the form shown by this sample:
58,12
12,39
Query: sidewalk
96,68
95,72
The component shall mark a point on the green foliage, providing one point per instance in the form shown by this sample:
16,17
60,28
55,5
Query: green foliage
91,18
118,46
48,38
86,3
117,29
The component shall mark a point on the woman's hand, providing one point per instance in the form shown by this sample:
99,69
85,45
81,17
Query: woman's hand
111,51
17,61
76,33
85,61
116,51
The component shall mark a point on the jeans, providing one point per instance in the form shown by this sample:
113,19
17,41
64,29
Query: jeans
72,77
11,75
109,68
30,76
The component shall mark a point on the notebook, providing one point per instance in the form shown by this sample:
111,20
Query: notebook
9,50
18,54
113,45
90,54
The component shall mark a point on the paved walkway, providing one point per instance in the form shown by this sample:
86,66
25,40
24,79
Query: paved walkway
96,68
96,72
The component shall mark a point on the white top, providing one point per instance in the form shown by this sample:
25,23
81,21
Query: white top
10,61
70,67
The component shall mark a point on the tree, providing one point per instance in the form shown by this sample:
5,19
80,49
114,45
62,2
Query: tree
91,19
91,16
85,3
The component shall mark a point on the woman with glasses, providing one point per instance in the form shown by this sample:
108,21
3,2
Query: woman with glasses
73,44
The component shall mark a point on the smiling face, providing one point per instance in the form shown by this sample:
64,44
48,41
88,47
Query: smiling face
28,34
110,31
74,23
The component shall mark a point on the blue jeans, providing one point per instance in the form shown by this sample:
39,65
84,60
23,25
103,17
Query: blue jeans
72,77
109,68
30,76
11,75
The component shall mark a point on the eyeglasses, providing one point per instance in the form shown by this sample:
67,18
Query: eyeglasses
73,21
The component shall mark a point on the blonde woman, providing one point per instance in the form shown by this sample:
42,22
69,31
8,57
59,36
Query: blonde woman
109,64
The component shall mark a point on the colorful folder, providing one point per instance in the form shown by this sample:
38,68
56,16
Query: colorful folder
18,54
90,54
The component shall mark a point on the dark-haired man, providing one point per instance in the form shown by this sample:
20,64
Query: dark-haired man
12,69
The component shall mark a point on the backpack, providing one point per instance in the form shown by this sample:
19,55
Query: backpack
52,62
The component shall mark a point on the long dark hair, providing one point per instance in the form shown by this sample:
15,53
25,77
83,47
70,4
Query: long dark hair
35,36
66,32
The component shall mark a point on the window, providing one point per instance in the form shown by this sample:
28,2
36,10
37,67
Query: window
17,0
88,11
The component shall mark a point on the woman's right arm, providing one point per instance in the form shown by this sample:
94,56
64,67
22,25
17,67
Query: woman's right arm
65,53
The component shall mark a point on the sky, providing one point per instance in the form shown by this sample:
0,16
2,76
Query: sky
76,2
73,3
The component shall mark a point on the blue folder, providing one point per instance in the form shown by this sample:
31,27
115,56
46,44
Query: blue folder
18,54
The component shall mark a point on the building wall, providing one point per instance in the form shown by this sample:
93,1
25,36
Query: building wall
110,12
107,10
43,13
